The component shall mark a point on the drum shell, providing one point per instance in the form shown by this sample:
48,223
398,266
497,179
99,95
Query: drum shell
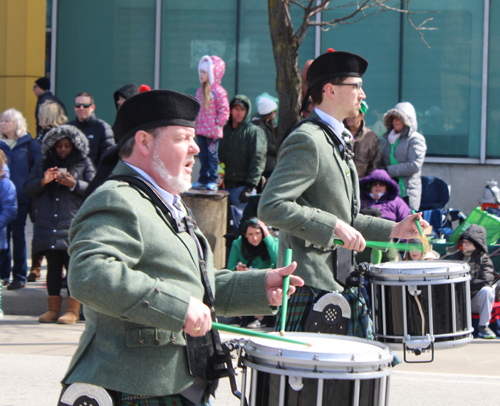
443,292
348,377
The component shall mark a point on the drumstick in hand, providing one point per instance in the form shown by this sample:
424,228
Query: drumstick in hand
286,286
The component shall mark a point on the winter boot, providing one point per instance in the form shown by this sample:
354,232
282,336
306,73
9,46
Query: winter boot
72,314
54,306
36,266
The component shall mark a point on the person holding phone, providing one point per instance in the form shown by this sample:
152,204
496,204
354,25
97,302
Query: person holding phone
58,180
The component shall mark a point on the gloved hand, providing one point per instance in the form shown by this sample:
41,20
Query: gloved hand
245,194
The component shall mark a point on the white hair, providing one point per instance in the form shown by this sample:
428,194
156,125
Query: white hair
17,117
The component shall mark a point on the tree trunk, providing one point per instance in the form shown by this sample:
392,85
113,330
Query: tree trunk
285,50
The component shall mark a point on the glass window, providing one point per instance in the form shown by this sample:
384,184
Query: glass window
189,31
444,82
493,135
109,45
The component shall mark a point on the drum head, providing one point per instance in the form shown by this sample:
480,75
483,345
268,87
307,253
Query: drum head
327,353
419,270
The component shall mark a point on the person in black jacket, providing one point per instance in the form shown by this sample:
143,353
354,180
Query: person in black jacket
41,89
472,248
58,181
98,132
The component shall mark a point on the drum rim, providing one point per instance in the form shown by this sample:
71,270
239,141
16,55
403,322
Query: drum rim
429,270
321,360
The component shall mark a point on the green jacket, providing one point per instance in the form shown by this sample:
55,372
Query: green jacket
135,276
236,255
312,187
243,151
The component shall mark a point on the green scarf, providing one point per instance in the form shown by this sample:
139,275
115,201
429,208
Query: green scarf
401,182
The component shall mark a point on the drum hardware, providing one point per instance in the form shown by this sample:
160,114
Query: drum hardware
330,315
418,345
419,306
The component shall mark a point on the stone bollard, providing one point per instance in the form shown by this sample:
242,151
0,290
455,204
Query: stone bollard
210,212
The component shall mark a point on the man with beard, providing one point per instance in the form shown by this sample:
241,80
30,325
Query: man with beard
144,271
313,195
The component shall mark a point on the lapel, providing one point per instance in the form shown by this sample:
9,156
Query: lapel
123,169
344,168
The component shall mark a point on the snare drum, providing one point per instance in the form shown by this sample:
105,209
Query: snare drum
336,370
416,304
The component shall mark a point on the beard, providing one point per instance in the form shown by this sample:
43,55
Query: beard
180,183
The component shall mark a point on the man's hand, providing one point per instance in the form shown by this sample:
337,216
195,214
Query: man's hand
274,283
198,320
353,240
245,194
241,267
407,228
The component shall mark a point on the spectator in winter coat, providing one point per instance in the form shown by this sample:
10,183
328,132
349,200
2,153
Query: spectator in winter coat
8,205
472,249
213,115
380,191
98,132
243,151
41,88
50,116
58,181
366,146
404,152
22,151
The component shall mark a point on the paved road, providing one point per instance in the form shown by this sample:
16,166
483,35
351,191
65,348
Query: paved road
34,358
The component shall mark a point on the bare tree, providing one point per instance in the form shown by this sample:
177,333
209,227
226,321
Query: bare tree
287,40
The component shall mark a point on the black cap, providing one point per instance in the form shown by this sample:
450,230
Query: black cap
152,109
335,64
238,102
43,83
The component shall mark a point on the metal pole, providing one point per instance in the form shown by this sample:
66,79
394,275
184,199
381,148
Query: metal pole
156,84
484,84
53,48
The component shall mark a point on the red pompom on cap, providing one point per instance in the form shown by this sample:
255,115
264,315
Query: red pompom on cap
144,88
330,50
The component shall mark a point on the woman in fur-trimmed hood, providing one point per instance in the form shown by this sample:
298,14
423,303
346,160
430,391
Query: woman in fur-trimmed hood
58,181
404,152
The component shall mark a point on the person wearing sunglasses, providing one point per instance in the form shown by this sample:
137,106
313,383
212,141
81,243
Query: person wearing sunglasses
98,132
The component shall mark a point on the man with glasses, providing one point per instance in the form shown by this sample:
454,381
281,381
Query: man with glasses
41,88
98,132
313,195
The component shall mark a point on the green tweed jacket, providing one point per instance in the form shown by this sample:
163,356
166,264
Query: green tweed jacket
311,187
135,275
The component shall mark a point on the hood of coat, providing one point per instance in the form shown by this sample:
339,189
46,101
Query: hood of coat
216,68
78,139
246,101
406,113
476,234
382,176
126,92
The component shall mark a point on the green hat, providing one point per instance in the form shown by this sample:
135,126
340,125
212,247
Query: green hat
364,107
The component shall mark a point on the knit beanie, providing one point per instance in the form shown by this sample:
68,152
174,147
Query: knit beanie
43,83
266,104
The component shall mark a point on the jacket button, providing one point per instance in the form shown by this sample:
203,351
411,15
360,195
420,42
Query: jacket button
54,231
145,304
302,229
173,340
314,218
319,210
57,199
157,342
158,290
55,215
141,341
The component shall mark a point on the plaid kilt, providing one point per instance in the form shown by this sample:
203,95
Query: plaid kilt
360,323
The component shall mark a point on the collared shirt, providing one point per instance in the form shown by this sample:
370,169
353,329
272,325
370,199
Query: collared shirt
337,126
168,198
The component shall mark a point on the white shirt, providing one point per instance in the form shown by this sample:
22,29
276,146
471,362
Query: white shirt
337,126
167,197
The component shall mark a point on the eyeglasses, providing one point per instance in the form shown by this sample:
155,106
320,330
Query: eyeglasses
378,183
85,106
358,85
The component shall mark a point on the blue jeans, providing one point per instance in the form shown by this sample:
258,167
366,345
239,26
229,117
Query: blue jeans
234,197
209,159
16,230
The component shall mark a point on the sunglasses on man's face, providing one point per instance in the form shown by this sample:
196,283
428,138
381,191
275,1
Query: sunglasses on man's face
85,106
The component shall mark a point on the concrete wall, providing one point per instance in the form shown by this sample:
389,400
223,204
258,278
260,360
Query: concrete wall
467,182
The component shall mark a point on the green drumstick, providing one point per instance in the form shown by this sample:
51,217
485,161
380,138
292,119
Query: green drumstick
246,332
381,245
286,286
417,223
